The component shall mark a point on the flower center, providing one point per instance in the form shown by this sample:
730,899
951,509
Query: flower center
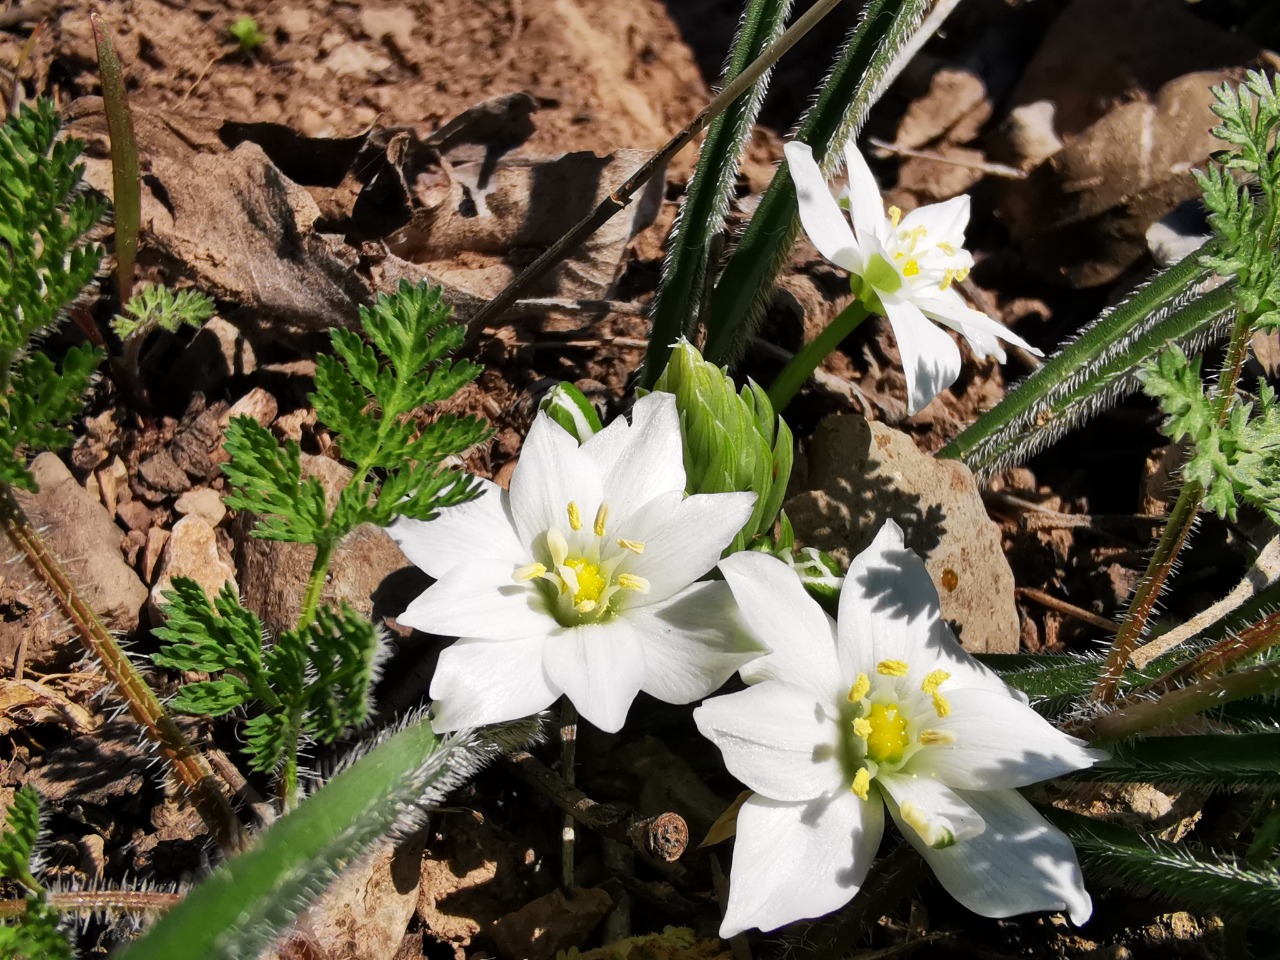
581,573
888,721
887,740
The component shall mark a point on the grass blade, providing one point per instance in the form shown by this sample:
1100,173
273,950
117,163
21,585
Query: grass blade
1232,760
125,180
742,293
1097,368
710,191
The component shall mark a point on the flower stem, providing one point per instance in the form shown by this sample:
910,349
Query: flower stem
190,765
1176,531
802,365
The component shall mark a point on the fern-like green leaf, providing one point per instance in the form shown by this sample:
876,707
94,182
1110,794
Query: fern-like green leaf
156,307
266,478
18,840
34,935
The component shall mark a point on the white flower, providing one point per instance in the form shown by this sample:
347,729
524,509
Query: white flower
580,579
883,709
902,267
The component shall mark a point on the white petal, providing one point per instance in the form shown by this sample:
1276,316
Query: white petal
930,358
866,208
485,681
787,621
777,739
792,861
975,325
599,667
693,642
1019,864
650,463
480,529
889,611
820,213
999,743
683,538
552,472
945,222
931,810
480,600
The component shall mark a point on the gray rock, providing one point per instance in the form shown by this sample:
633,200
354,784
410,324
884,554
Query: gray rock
862,474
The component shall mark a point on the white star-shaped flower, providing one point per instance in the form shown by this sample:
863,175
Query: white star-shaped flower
881,709
901,266
580,579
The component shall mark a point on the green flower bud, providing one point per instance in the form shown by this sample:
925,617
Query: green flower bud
567,406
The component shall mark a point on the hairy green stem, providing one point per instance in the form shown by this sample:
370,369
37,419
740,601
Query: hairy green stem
97,901
800,368
315,583
1253,640
1181,519
190,765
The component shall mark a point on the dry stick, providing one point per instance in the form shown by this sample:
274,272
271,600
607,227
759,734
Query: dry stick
620,197
1251,641
568,756
1181,520
93,901
188,763
1070,609
665,836
1264,572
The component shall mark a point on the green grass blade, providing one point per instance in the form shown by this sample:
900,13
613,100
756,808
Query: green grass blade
1056,682
710,191
1192,881
1097,368
742,293
125,180
1231,760
251,899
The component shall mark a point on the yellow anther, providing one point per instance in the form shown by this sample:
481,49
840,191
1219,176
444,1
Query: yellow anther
899,255
601,515
530,571
861,783
962,274
931,738
933,681
895,215
947,248
947,278
911,268
888,740
862,727
861,687
575,516
892,668
940,705
629,581
635,546
586,606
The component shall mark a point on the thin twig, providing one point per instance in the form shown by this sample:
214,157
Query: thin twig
994,169
621,197
1070,609
568,757
664,837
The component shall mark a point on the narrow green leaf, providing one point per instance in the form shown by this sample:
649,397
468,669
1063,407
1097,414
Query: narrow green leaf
1097,368
742,293
710,192
1230,760
250,900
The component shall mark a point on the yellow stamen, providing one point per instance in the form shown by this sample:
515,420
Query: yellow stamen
933,681
635,546
601,515
892,668
888,739
575,516
899,255
947,278
861,687
947,248
530,571
629,581
940,706
930,738
861,783
895,217
911,268
962,274
586,606
862,727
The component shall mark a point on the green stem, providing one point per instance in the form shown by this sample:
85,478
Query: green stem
802,365
315,584
1176,531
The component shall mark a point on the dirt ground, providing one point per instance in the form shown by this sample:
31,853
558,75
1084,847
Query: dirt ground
331,86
